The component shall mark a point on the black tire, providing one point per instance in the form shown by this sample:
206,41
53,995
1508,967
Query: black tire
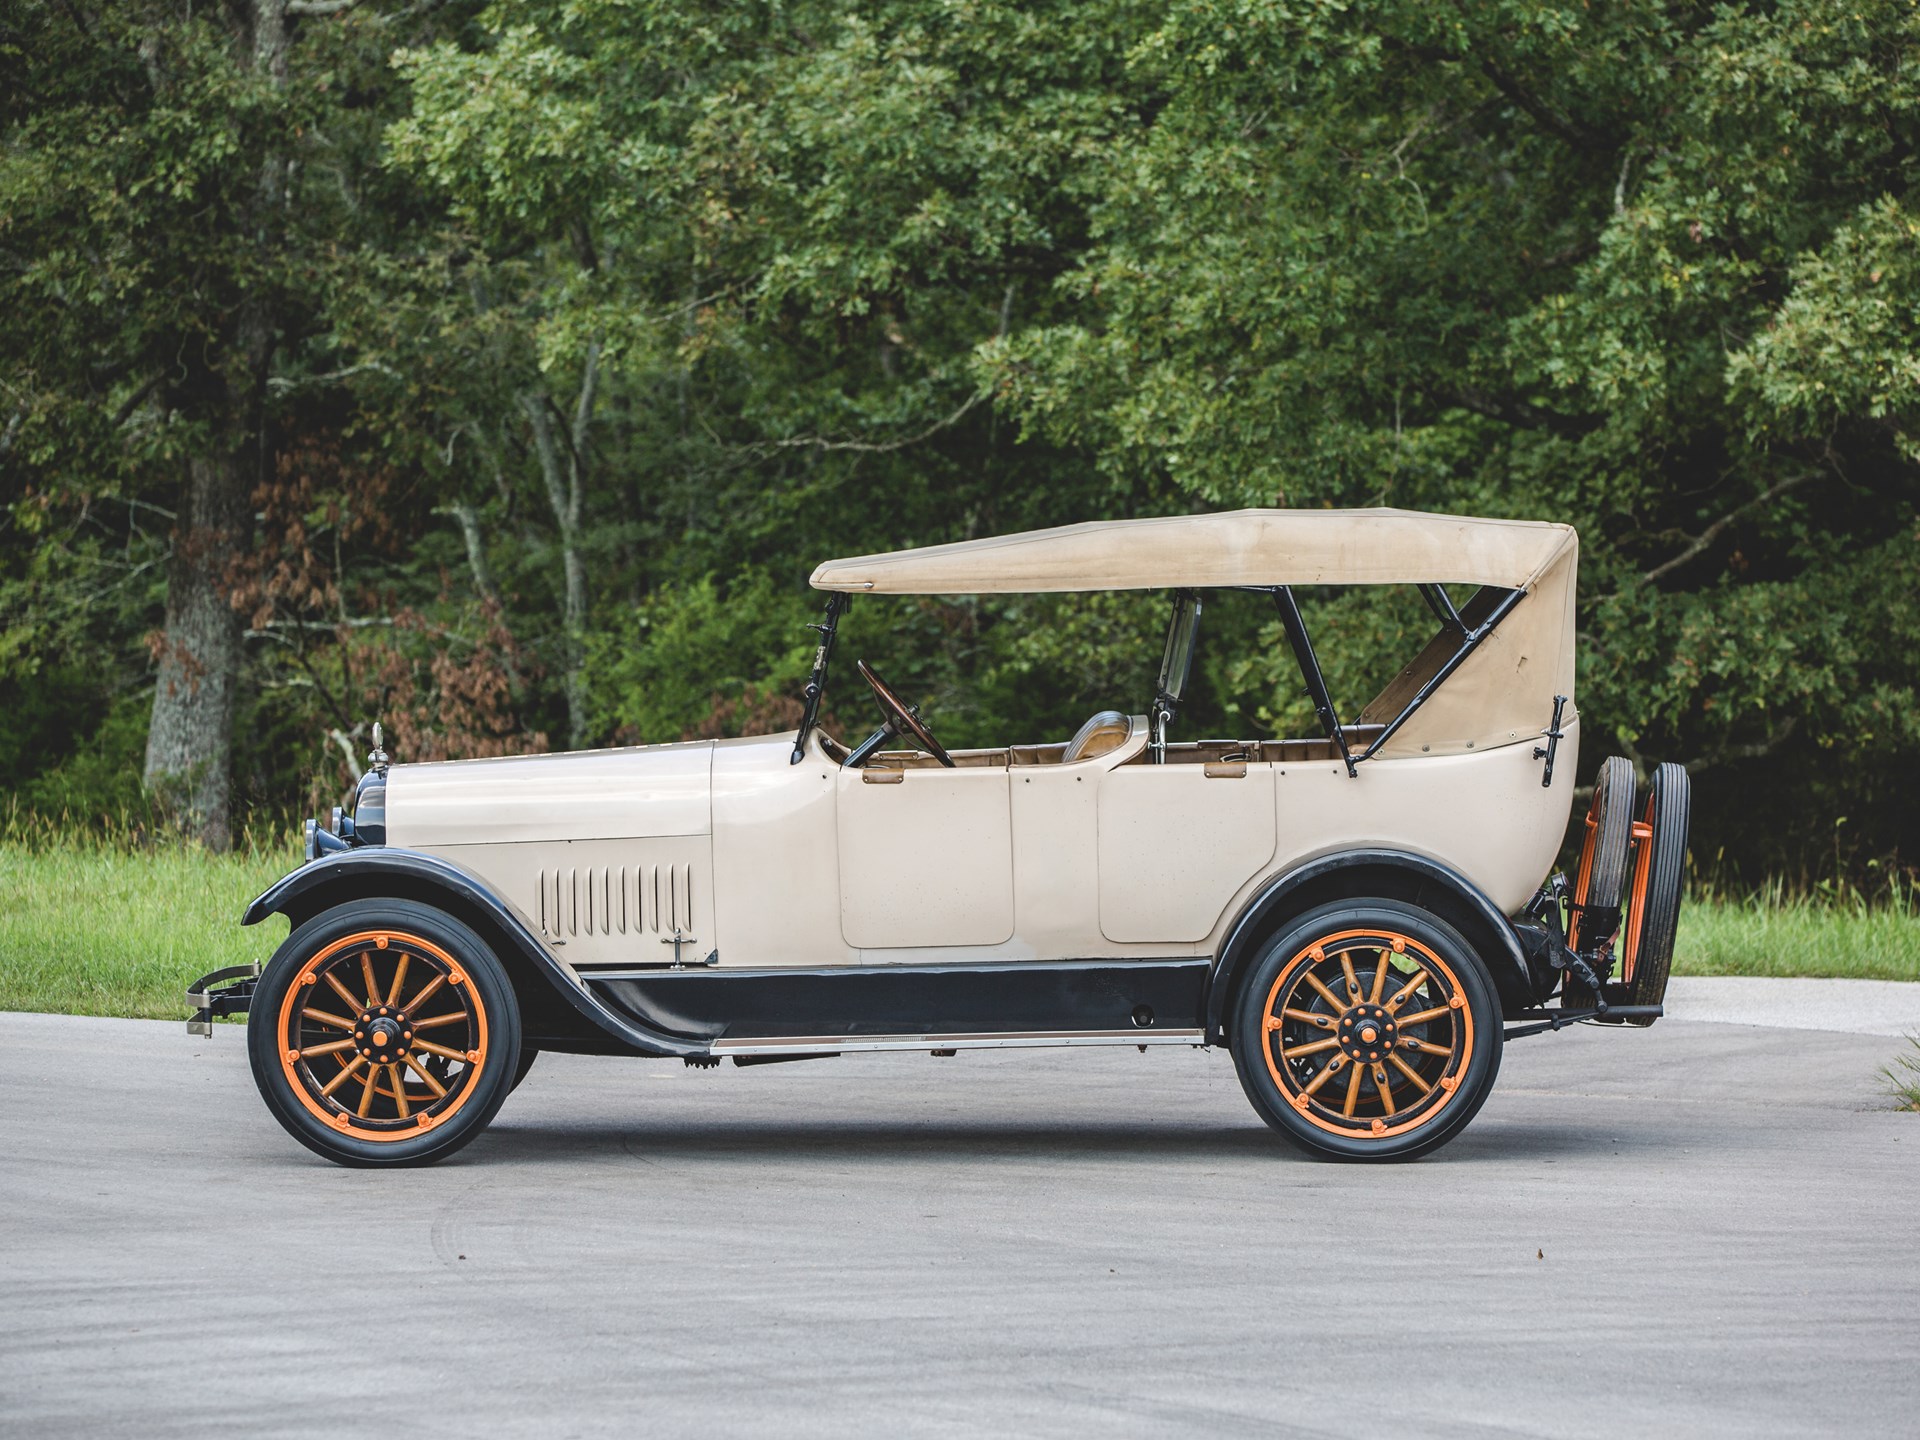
1660,872
528,1054
1282,1081
435,973
1602,876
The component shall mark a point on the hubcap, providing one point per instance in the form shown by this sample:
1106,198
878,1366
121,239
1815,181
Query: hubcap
384,1043
1367,1032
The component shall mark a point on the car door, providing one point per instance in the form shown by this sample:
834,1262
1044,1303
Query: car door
1176,842
926,857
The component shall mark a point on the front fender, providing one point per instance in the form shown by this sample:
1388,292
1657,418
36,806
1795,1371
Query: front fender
1389,874
382,871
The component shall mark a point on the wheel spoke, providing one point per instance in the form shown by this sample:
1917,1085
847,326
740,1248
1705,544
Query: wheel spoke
1325,994
366,1091
1424,1047
345,994
1379,978
1420,1017
1383,1087
327,1017
328,1049
454,1019
1353,980
400,1091
417,1001
439,1090
373,986
1312,1047
399,979
1309,1017
1405,992
342,1078
1426,1086
1353,1094
1333,1068
440,1050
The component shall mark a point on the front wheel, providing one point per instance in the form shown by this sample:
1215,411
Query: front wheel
384,1032
1369,1030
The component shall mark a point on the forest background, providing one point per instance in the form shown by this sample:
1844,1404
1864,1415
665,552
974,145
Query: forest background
500,371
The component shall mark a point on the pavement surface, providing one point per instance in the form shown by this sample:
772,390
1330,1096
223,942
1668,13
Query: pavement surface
1701,1228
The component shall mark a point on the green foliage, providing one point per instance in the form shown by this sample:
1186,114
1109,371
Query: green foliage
691,651
601,324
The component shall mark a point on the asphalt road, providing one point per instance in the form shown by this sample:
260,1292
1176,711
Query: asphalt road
1702,1228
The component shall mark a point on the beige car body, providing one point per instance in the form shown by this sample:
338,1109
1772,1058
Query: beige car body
728,855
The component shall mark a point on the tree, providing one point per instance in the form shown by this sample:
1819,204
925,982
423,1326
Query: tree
172,183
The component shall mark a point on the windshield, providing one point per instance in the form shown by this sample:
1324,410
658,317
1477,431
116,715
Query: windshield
1177,662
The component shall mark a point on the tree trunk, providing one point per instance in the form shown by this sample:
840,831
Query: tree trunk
566,483
189,766
190,740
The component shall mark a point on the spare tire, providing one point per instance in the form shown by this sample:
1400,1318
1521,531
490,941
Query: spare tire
1603,856
1659,875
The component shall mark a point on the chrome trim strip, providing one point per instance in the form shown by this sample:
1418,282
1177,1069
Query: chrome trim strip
1007,1040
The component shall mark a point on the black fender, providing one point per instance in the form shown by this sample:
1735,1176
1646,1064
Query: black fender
1390,874
578,1021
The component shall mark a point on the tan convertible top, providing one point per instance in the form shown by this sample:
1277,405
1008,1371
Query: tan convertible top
1241,547
1501,694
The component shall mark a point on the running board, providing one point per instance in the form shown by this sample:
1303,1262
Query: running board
1001,1040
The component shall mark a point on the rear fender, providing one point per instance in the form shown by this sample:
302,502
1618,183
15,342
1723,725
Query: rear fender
1388,874
558,1011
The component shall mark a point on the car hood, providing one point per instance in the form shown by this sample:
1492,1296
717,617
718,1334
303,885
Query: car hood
644,790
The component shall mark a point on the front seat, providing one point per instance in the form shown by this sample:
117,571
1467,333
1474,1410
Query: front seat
1105,731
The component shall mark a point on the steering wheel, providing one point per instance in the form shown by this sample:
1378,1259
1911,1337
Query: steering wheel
901,717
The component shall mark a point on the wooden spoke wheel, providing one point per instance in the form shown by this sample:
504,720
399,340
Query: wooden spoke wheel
1602,875
384,1033
1659,874
1369,1031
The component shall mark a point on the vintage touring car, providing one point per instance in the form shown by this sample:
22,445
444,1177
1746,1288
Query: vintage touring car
1357,916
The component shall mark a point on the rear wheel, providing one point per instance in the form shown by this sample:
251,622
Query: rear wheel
384,1032
1369,1030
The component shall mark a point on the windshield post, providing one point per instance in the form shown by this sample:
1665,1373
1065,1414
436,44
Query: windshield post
1296,627
1176,663
837,603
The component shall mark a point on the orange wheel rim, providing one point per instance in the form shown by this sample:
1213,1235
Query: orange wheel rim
1367,1033
382,1036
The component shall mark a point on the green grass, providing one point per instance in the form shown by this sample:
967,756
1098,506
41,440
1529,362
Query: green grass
94,930
1849,936
105,929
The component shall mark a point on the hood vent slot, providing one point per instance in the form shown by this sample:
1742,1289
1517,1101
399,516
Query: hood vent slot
616,900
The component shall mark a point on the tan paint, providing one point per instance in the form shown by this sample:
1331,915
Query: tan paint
1176,844
1013,861
604,902
776,855
585,795
927,861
